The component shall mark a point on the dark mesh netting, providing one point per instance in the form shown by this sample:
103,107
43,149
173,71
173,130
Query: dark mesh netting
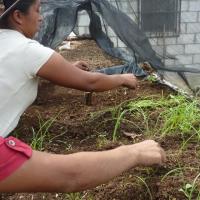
155,18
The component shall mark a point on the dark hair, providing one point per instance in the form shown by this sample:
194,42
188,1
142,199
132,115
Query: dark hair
23,6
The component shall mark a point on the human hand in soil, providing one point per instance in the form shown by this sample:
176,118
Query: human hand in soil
82,65
129,81
148,153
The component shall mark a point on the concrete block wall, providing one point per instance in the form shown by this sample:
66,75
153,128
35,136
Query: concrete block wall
185,47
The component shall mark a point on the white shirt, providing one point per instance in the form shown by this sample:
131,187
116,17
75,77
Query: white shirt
20,60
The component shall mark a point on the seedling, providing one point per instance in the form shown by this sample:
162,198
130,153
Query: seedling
142,180
102,140
190,190
42,134
152,78
77,196
173,171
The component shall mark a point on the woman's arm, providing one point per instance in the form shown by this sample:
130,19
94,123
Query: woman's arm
62,72
76,172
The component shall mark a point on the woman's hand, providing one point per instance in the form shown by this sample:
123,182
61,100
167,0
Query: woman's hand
148,153
76,76
129,81
81,65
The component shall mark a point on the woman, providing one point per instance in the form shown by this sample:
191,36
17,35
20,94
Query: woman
22,60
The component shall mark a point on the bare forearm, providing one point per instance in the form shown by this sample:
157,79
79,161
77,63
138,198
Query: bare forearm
75,172
89,169
63,73
101,82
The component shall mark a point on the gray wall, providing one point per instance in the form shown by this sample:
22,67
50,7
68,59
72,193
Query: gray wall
186,47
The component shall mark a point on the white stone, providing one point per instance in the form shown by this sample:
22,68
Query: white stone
64,46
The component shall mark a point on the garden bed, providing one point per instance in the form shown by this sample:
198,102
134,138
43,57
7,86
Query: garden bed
60,122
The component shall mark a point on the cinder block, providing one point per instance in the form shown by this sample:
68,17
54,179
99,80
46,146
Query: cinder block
194,5
184,5
158,49
169,62
193,27
167,41
189,16
184,59
197,39
183,28
186,39
175,49
192,48
196,59
83,20
193,66
83,30
153,41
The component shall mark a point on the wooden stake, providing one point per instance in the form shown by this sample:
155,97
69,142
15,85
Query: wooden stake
88,98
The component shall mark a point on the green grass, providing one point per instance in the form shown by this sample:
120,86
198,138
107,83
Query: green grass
42,134
191,190
175,115
78,196
142,180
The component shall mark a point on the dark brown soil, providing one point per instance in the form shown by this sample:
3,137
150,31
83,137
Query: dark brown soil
78,127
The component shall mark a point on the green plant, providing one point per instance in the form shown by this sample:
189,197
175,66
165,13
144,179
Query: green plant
142,180
39,137
102,140
173,171
181,118
117,124
77,196
152,78
73,196
140,106
175,114
190,190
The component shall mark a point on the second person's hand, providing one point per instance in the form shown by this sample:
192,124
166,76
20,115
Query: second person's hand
129,81
82,65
